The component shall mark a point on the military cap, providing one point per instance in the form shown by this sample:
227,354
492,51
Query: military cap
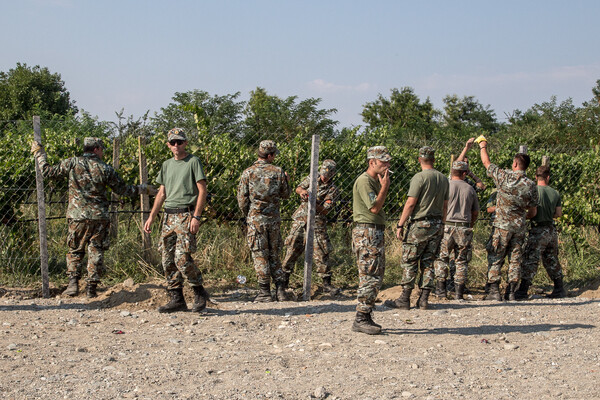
267,147
379,153
460,166
93,142
426,152
176,134
328,168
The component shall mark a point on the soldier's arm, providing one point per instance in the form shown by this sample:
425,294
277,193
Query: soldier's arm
243,195
200,204
385,186
531,212
557,212
408,209
474,216
285,190
158,202
445,211
328,202
118,185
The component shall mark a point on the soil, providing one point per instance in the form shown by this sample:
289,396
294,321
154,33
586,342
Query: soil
118,346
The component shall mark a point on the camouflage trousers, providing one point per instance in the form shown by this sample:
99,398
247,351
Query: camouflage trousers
264,241
368,245
456,241
93,234
178,245
420,248
295,245
542,243
509,244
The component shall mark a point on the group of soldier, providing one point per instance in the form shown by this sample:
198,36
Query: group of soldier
436,224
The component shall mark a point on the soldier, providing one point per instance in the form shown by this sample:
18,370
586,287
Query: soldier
87,212
517,200
327,195
491,209
463,209
543,239
368,195
427,206
183,193
260,191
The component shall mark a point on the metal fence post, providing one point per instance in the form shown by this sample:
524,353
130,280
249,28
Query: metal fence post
310,218
39,184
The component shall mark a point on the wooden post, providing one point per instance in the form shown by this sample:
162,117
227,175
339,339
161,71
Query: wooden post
39,184
145,201
545,161
451,162
310,218
523,149
114,218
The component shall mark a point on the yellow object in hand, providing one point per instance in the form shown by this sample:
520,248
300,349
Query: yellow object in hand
481,138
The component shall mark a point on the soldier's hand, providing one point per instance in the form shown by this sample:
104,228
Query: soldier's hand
304,195
480,185
399,232
384,179
36,147
148,224
470,143
194,226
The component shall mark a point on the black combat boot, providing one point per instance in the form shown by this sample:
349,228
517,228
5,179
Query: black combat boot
460,290
328,287
364,324
370,317
559,289
423,302
177,302
73,287
281,293
403,302
494,292
200,298
90,290
511,288
521,293
264,293
440,289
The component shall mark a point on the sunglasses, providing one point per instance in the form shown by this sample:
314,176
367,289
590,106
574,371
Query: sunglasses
177,142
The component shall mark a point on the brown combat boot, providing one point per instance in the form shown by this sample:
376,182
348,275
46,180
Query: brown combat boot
494,292
440,289
559,289
177,302
511,288
522,291
264,293
328,286
364,324
200,298
403,302
460,290
423,302
90,290
280,291
73,287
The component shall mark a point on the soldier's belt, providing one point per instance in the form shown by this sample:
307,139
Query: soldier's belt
365,225
460,224
178,210
432,219
541,224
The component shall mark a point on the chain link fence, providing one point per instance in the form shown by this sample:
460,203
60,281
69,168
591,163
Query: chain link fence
222,250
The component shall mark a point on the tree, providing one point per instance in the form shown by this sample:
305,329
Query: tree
466,115
26,91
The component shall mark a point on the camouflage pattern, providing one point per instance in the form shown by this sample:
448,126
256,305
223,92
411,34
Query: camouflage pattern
541,243
456,242
420,247
460,166
268,147
92,234
261,188
378,153
427,152
505,243
178,245
328,169
176,134
368,245
89,177
327,196
93,142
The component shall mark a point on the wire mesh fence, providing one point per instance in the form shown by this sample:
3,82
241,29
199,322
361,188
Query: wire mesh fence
575,174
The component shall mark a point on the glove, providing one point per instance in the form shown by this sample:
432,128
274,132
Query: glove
481,138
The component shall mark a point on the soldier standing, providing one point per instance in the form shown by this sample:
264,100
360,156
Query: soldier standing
368,195
427,206
543,239
327,195
517,200
87,212
260,191
183,192
463,209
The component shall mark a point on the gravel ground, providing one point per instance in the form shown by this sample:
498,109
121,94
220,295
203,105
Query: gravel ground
118,346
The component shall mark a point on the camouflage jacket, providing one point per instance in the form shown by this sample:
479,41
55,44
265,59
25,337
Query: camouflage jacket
327,195
516,193
89,178
261,188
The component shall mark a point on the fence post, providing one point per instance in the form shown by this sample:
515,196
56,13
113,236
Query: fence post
114,218
545,161
523,149
310,218
39,184
145,201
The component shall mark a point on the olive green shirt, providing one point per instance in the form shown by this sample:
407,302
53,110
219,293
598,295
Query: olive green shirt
364,195
430,188
180,177
549,199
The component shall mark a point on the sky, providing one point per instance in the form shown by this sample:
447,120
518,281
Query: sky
136,54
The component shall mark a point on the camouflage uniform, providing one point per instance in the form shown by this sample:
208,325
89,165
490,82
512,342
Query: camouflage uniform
516,193
87,211
260,191
327,195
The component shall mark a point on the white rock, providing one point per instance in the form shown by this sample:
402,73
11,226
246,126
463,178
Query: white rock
125,313
510,346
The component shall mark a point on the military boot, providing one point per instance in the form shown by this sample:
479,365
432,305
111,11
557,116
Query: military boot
73,287
364,324
494,292
460,290
370,318
264,293
521,293
90,290
328,287
423,302
200,298
440,289
511,288
281,292
177,302
559,289
403,302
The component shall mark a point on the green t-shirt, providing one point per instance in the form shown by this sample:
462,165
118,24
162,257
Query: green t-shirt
179,178
430,187
549,199
364,194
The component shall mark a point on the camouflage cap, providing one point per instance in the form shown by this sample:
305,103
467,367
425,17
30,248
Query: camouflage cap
460,166
426,152
267,147
93,142
328,168
175,134
379,153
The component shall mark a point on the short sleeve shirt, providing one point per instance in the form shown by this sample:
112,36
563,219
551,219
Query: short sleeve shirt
180,177
549,199
430,188
364,195
462,202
